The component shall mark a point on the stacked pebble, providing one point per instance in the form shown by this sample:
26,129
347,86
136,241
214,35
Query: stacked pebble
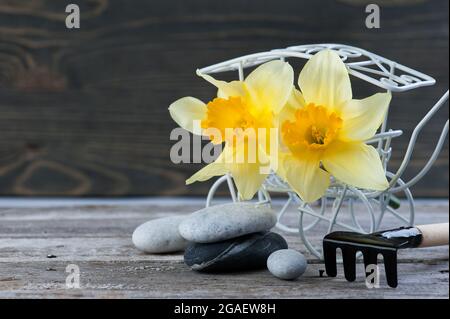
228,237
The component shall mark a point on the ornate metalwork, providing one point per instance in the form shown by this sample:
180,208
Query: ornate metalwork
378,71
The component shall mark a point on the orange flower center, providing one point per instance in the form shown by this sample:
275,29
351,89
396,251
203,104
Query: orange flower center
314,128
230,114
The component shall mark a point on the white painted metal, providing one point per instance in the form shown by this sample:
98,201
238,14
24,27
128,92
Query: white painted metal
362,64
374,69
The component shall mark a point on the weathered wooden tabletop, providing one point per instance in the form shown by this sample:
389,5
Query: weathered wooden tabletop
96,236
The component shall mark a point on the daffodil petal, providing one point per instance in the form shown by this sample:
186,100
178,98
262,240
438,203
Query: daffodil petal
280,169
362,118
248,175
295,102
216,168
305,177
271,84
296,99
187,110
355,164
226,89
325,81
248,180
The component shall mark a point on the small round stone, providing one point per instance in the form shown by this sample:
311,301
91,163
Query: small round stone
287,264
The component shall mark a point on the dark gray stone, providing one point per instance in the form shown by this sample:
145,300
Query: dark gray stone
242,253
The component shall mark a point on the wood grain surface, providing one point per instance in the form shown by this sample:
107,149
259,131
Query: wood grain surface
84,112
96,236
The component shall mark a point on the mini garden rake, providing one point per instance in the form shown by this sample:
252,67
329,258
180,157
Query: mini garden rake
385,243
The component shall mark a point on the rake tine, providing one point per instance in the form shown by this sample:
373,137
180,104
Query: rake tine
349,259
329,254
370,258
390,265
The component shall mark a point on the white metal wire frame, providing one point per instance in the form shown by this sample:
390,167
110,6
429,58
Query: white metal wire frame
378,71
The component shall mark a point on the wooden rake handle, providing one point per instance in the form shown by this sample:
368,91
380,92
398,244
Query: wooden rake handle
434,234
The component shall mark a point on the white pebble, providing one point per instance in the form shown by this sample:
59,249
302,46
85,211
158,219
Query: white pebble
160,236
287,264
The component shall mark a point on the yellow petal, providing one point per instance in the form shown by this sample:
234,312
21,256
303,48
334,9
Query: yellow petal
305,177
325,81
248,180
216,168
226,89
296,99
270,84
362,118
280,169
355,164
295,102
187,110
248,176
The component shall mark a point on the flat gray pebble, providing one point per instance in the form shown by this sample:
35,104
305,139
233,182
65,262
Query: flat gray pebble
222,222
160,236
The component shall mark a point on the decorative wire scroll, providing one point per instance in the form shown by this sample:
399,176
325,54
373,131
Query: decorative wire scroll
363,64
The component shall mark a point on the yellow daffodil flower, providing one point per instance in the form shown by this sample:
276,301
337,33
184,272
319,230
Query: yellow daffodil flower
251,104
323,131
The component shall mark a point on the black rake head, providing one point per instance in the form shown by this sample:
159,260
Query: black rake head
385,243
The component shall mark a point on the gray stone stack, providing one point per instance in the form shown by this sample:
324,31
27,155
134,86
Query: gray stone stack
230,237
223,238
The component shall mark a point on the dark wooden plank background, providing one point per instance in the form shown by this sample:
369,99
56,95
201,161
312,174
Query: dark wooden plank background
84,112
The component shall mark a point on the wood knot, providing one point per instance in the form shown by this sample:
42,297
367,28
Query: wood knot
40,78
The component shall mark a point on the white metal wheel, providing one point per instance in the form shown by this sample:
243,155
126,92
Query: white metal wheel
293,199
408,217
331,222
263,196
221,180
